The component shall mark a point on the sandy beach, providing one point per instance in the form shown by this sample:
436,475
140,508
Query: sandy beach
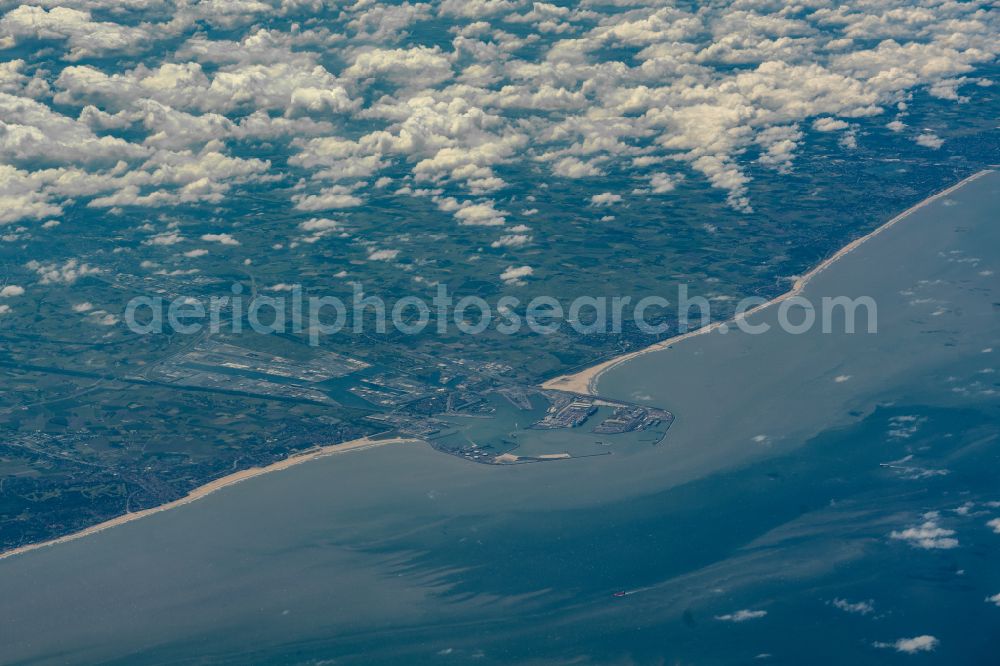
213,486
586,380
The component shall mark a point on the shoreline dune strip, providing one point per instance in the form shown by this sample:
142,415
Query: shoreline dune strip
585,381
213,486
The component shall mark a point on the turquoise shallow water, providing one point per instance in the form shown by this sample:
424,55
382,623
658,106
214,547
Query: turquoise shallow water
793,460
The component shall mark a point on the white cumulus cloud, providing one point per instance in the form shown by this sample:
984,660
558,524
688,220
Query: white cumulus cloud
605,199
929,535
741,615
913,645
224,239
515,275
66,273
929,140
11,290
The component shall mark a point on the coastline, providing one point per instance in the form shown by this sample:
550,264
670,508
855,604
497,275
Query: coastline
207,489
585,381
